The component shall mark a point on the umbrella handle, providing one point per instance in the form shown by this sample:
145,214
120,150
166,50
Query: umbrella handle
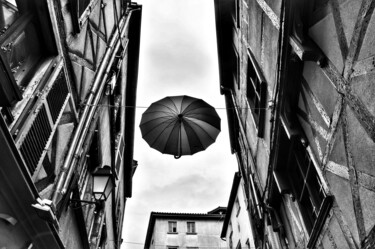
179,140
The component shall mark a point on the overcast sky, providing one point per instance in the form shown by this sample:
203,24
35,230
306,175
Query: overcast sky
178,57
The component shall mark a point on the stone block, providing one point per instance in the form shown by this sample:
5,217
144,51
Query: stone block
325,36
340,188
361,146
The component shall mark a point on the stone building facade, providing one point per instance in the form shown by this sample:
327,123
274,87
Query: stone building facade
297,77
185,230
68,69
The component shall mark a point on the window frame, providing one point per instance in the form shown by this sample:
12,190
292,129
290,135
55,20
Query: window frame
237,201
239,245
236,63
256,99
171,227
287,184
238,14
311,225
193,231
28,17
231,240
247,243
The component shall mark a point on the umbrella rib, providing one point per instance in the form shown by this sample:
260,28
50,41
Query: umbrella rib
174,104
191,115
165,106
169,136
170,123
153,120
201,144
183,112
204,130
165,114
156,126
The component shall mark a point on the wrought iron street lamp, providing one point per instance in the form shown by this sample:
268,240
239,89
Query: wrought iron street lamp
103,183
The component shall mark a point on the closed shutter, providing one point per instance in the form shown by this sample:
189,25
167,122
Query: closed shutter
38,129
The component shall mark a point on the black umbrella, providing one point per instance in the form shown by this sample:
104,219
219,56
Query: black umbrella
180,125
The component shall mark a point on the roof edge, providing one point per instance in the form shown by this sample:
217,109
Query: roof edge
232,198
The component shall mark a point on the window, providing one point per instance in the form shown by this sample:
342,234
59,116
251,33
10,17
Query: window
256,92
25,40
190,227
307,187
235,62
172,226
238,245
238,207
303,181
9,14
236,12
231,240
247,244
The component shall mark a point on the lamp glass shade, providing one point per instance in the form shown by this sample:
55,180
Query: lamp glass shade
102,184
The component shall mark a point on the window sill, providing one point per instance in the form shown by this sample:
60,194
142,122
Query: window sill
172,232
191,233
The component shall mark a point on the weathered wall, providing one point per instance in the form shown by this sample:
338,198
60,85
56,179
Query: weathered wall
239,222
336,112
207,234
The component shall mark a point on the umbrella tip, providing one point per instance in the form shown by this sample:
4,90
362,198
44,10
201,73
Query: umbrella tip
177,157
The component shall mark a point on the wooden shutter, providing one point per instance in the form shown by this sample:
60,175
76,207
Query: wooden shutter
37,131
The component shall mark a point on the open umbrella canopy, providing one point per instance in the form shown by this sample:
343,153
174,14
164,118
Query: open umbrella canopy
180,125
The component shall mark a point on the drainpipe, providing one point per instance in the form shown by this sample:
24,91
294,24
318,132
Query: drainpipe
73,154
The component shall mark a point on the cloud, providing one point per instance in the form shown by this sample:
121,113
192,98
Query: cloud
178,57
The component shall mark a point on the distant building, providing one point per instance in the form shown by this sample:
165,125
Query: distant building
185,230
237,229
68,68
298,81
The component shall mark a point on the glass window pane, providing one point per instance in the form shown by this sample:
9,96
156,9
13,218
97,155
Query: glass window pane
314,187
82,5
23,53
8,14
172,226
191,227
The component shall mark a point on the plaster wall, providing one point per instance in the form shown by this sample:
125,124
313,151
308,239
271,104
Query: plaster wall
207,234
239,220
